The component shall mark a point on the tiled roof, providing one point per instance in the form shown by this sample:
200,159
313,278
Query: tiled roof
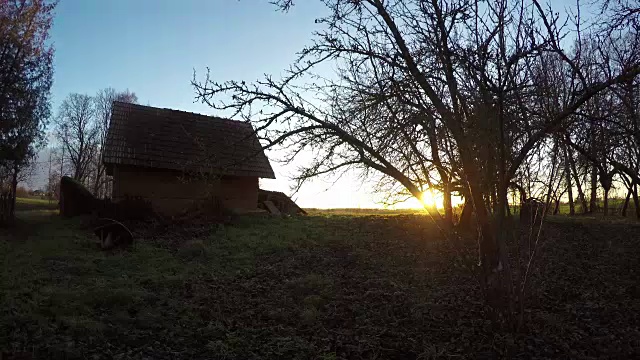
177,140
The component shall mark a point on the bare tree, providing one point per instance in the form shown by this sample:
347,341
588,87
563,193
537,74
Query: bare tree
426,94
607,135
103,103
52,188
76,129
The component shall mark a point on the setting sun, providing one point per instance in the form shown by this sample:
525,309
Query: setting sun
430,199
434,198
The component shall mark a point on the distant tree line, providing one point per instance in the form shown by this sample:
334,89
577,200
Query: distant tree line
481,99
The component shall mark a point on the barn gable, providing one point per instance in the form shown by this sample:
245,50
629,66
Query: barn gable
155,138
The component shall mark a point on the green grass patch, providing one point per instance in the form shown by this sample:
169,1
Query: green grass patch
323,287
29,204
37,201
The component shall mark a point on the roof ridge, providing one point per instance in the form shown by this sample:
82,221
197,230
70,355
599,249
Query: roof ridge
185,112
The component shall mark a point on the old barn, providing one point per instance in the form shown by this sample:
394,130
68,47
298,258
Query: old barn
174,158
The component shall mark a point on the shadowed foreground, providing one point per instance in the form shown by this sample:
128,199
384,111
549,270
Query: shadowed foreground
322,287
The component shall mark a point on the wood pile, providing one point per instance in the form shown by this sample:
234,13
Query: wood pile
278,203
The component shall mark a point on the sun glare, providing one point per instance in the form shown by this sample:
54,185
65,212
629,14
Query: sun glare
429,199
434,198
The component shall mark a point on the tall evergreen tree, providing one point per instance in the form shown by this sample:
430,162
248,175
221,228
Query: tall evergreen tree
26,71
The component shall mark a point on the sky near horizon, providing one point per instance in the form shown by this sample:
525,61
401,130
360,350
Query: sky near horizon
153,47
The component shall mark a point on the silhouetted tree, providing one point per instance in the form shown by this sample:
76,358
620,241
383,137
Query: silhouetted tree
77,131
427,94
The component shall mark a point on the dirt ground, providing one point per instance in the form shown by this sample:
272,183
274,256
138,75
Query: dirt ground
315,287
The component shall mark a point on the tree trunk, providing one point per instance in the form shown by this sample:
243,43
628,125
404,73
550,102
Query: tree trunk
444,176
556,209
98,182
567,173
572,207
583,200
489,258
14,188
606,202
636,201
448,208
76,174
574,171
605,182
492,263
466,216
594,189
552,175
626,202
503,228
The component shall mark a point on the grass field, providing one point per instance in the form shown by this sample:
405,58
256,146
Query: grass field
315,287
365,212
28,204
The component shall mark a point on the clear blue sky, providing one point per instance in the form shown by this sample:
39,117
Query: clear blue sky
153,46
